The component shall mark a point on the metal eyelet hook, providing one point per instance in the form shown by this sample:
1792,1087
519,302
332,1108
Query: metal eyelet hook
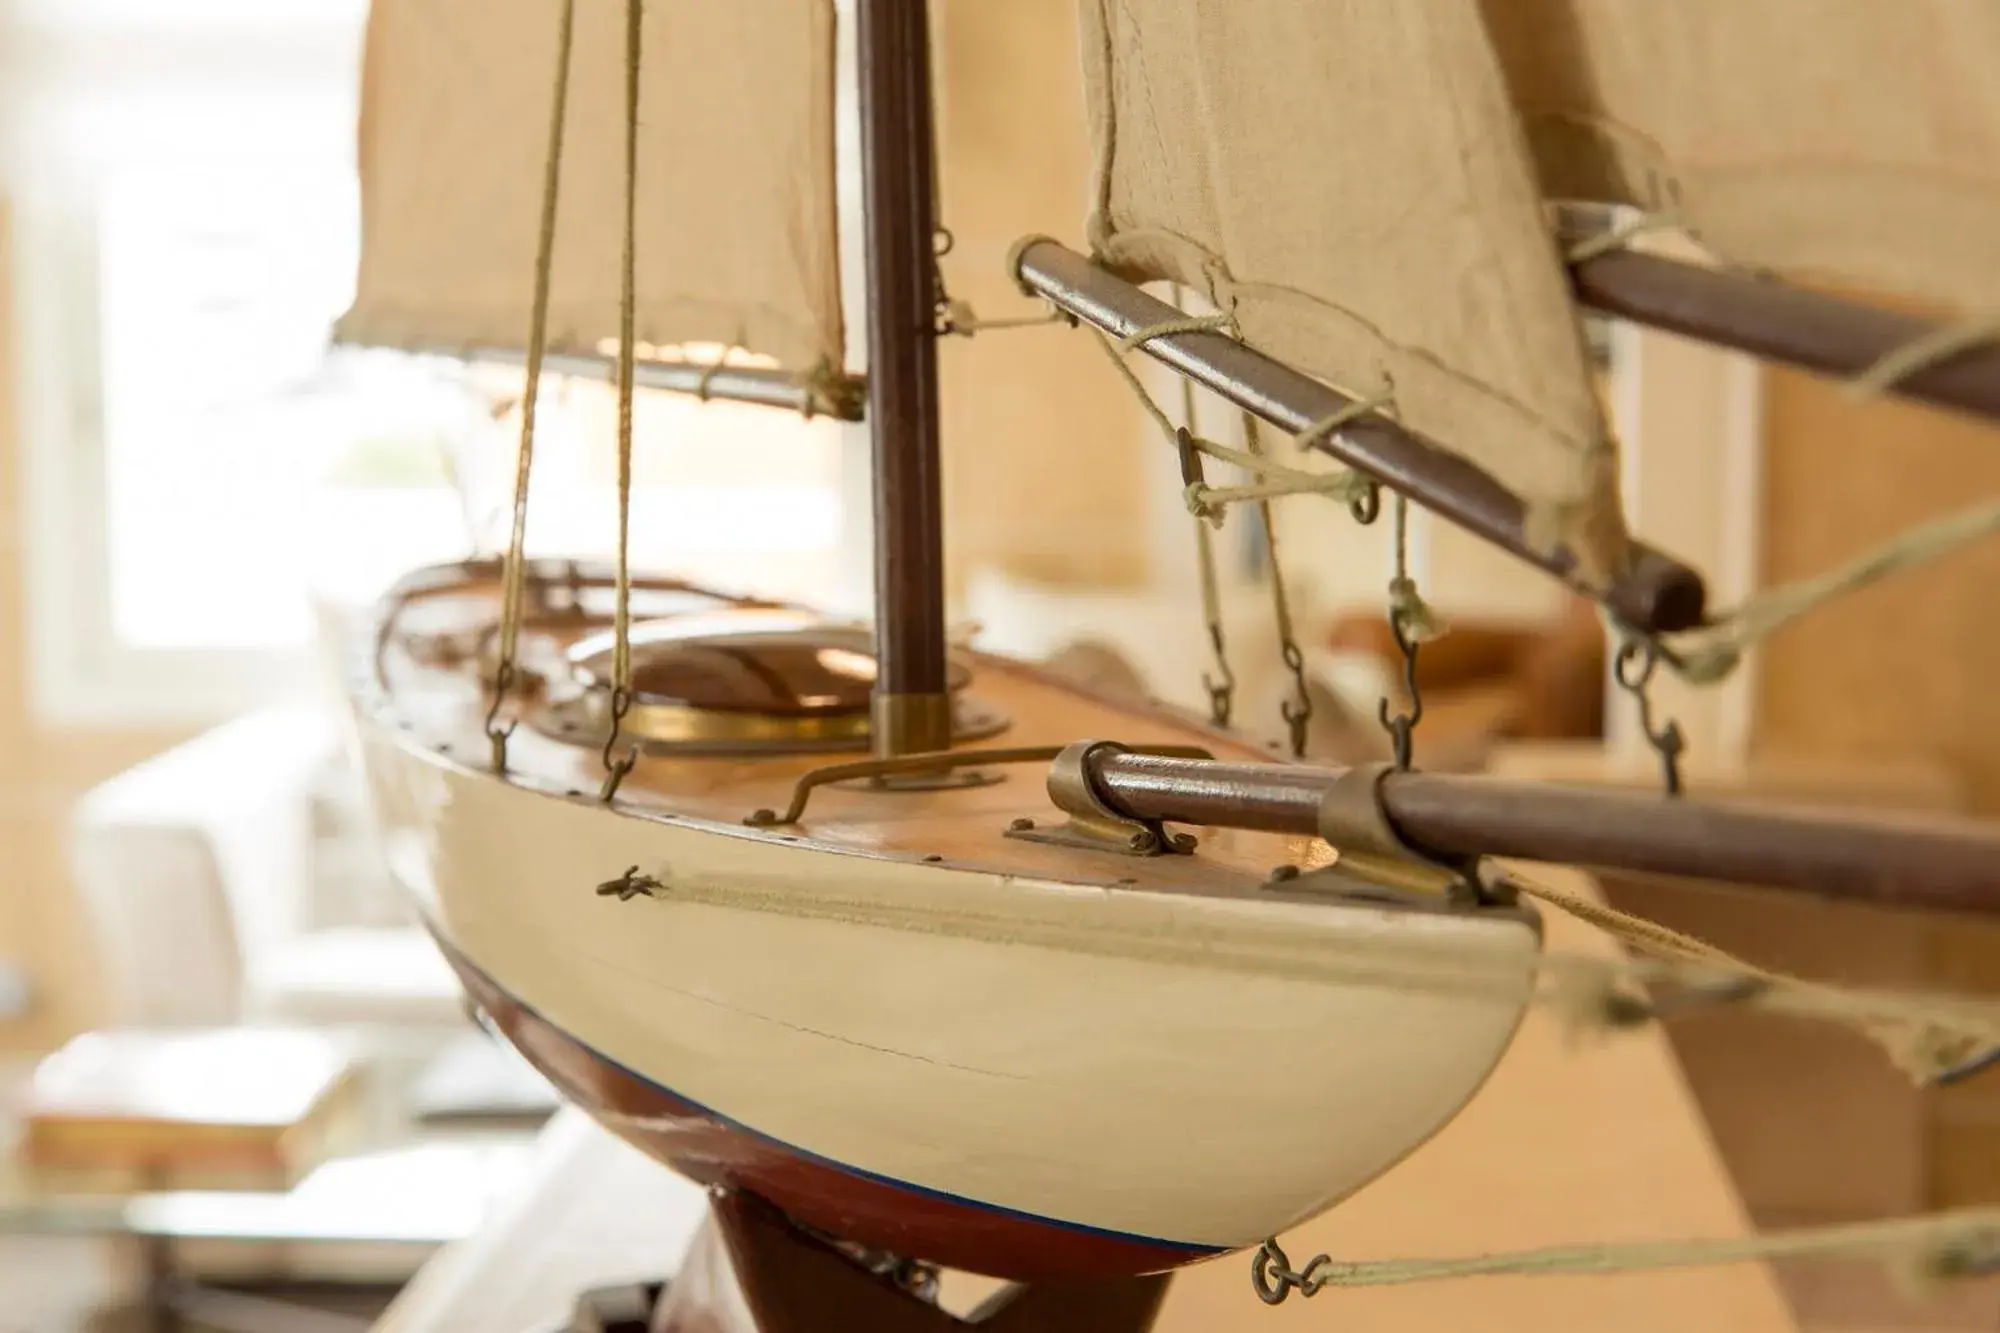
1269,1269
1297,711
1272,1274
1633,669
1221,689
615,770
1401,726
1366,506
497,735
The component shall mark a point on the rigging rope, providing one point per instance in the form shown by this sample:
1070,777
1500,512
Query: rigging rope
960,318
1413,624
1710,655
1924,1036
1919,355
1354,488
1221,686
1208,504
1928,1247
1296,711
538,328
615,769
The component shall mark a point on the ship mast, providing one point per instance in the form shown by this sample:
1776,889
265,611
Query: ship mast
912,711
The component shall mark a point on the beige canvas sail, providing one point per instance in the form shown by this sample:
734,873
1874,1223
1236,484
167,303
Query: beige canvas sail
1856,141
736,223
1348,177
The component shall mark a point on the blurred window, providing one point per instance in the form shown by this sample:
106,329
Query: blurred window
200,469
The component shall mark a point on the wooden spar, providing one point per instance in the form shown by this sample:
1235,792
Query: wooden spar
837,396
912,711
1656,594
1938,865
1778,322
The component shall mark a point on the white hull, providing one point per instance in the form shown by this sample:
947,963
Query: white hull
1202,1071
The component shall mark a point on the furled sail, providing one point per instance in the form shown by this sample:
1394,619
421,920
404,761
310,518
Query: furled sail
736,221
1348,178
1847,140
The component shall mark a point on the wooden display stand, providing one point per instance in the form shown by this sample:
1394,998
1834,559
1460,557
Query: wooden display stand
752,1271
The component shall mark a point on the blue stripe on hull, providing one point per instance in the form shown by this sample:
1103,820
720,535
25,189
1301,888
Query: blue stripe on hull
836,1197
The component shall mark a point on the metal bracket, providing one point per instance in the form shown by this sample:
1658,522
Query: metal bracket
1374,861
1093,825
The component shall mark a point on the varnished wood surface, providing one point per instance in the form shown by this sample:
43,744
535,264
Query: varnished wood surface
751,1271
445,708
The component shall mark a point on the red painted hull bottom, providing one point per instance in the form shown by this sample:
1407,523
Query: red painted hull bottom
839,1201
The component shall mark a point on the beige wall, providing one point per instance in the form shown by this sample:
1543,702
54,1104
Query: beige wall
42,771
1906,669
1042,443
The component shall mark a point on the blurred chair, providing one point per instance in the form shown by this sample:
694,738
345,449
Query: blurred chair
197,869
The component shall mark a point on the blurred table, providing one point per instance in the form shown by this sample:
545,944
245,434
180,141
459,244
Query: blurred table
400,1187
590,1212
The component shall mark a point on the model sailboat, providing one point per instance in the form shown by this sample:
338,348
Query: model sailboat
897,1014
970,1000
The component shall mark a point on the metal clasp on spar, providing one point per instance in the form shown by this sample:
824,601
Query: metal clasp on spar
1094,825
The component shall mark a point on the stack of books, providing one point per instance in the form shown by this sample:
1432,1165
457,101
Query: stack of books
234,1108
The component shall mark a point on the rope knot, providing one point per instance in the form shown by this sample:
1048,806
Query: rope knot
1709,664
958,316
1200,502
1407,607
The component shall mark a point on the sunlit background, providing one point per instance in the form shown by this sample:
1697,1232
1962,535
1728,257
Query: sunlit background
198,495
191,201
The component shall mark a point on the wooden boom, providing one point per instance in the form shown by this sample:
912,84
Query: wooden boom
1656,593
1942,865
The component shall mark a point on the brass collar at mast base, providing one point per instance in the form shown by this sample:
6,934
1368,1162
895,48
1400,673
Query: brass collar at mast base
910,723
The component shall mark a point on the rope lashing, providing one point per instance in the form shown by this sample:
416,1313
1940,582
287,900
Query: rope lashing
1351,487
1354,411
1920,354
1622,235
1166,328
513,569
